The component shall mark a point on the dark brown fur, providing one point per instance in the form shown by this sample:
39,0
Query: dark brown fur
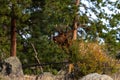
60,39
63,39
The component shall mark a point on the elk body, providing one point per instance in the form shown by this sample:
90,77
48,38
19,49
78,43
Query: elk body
60,39
64,38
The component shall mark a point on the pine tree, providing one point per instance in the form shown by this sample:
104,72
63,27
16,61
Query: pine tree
14,12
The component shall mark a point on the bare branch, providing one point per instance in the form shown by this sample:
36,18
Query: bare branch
36,56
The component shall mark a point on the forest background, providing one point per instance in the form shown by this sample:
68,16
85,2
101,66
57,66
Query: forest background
83,32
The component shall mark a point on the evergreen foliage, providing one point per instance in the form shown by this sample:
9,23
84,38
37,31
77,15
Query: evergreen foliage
39,20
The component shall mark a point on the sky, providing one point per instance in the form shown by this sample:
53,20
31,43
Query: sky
106,9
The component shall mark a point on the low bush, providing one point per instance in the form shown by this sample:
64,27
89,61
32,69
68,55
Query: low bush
90,57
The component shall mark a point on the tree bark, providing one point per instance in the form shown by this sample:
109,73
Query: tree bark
75,22
75,31
13,33
75,26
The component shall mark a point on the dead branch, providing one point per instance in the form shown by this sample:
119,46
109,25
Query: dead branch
36,56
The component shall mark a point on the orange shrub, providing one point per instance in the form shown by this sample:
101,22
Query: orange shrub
91,57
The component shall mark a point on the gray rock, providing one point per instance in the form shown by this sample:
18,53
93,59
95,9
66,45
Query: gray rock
45,76
96,76
12,68
16,66
4,77
61,75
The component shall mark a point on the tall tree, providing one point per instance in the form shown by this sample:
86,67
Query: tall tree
13,32
75,22
16,12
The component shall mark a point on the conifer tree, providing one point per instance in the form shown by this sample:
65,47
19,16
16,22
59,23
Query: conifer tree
14,12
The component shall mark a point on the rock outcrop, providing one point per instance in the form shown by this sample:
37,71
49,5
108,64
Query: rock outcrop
96,76
43,76
46,76
11,68
16,66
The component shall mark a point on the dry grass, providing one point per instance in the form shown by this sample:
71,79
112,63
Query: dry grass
29,77
94,49
116,76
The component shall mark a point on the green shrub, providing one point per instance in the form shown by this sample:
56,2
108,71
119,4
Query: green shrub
48,52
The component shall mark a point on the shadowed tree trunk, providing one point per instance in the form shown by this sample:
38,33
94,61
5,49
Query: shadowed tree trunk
13,33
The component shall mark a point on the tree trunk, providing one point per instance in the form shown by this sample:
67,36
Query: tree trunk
75,22
75,26
75,30
13,33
